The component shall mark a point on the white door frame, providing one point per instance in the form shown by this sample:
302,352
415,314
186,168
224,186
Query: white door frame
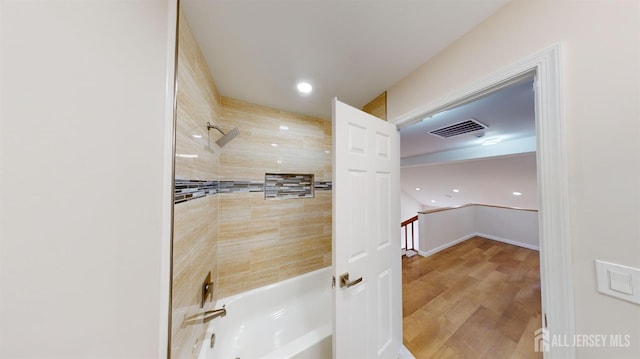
553,188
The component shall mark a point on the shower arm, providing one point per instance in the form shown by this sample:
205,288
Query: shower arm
226,137
210,126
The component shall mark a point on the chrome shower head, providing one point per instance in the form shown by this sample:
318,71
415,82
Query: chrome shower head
226,137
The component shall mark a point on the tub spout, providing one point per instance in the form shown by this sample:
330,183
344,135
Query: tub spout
205,317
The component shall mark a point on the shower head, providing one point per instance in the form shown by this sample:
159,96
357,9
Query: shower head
226,137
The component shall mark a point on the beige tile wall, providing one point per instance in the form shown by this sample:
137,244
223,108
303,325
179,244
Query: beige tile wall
377,106
194,255
195,233
301,148
198,103
265,241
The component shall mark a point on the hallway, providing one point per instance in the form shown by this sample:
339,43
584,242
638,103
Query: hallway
477,299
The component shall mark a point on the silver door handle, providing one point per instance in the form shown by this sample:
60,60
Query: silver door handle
344,281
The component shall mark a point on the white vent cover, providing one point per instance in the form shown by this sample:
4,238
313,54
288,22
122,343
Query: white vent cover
459,128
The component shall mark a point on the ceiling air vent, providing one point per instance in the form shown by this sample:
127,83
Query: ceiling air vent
458,128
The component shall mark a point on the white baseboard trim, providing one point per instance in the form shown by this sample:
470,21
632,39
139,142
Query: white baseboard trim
445,246
508,241
477,234
405,353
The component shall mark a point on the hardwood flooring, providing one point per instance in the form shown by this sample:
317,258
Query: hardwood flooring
477,299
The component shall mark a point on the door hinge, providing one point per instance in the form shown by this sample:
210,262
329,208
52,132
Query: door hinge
545,321
333,281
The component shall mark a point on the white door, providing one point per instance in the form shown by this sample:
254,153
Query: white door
366,241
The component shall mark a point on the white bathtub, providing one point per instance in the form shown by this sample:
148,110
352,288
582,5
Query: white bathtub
288,319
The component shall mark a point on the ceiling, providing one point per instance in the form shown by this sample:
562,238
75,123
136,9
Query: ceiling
354,50
508,112
258,50
432,167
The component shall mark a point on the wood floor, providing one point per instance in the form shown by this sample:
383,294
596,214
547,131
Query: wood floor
478,299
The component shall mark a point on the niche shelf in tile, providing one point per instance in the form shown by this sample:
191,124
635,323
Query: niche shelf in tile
288,185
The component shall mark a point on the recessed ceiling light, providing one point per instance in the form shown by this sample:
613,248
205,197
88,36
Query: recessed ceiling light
284,128
279,161
491,141
456,190
327,151
196,136
418,188
433,201
304,87
517,194
274,144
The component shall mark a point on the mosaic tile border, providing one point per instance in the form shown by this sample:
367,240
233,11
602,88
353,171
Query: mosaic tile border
186,190
288,185
240,186
323,185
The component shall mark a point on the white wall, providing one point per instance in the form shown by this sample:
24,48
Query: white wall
409,207
508,225
85,180
440,230
601,45
488,181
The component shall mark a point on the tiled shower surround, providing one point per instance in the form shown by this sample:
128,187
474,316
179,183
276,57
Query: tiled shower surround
262,241
222,222
195,225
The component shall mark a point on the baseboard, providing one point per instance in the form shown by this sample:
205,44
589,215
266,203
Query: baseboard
508,241
445,246
405,353
477,234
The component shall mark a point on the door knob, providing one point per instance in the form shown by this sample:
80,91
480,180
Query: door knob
344,281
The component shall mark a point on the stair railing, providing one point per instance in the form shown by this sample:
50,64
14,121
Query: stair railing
405,227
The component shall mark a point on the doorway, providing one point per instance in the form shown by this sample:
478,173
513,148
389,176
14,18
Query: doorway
556,280
475,291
